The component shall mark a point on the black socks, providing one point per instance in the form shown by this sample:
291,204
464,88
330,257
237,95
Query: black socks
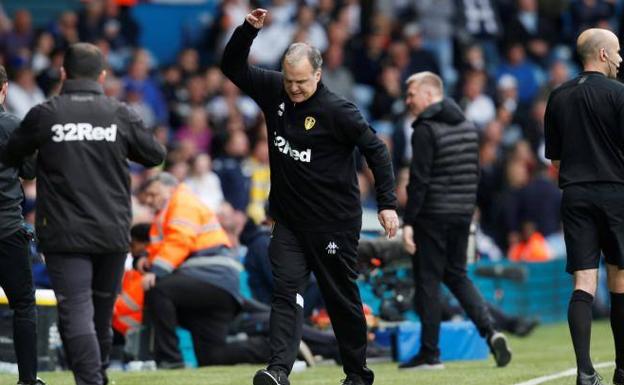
579,320
617,326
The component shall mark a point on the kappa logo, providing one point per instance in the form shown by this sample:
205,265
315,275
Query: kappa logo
79,132
331,248
281,109
309,122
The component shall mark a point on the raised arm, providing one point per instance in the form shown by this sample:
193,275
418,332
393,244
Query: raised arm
260,84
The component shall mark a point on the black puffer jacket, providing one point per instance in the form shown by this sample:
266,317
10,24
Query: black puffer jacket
444,172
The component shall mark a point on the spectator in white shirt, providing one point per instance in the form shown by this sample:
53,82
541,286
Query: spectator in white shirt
24,93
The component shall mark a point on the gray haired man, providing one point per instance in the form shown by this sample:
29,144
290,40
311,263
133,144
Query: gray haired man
314,200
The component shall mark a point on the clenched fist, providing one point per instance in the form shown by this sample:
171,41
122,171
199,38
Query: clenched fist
256,17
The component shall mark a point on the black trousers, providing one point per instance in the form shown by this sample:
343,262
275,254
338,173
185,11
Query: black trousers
86,287
16,281
206,311
332,257
320,342
441,258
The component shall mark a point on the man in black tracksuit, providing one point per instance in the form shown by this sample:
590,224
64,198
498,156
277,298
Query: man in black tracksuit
584,132
441,197
84,140
314,197
15,269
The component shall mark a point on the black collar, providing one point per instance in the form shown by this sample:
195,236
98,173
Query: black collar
592,73
71,86
432,110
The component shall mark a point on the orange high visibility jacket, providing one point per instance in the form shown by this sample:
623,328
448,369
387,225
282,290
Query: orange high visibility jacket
183,228
535,249
128,310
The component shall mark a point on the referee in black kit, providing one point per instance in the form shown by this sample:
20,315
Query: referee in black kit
584,129
84,140
15,268
314,198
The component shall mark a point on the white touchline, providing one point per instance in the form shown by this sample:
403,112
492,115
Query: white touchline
565,373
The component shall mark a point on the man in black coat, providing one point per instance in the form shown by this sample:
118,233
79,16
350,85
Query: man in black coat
314,200
15,269
84,140
441,198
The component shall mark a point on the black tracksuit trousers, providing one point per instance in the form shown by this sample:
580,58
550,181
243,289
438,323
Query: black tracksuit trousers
440,257
17,283
332,257
86,287
207,312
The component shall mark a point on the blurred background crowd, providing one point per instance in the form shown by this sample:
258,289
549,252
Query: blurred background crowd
498,58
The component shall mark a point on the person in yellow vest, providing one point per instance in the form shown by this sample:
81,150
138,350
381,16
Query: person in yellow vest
190,279
260,181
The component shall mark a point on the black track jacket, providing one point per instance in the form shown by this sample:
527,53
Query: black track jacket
312,144
11,195
84,140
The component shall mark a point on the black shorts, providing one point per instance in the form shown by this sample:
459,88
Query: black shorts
593,222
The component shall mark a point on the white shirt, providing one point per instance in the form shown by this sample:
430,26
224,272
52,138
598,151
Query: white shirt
208,187
481,110
19,101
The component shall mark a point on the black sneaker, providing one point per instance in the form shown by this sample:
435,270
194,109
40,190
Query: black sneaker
422,362
170,365
270,377
618,376
38,381
500,349
353,380
589,379
524,327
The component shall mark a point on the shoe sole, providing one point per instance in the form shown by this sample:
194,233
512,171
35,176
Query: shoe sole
425,367
264,378
502,354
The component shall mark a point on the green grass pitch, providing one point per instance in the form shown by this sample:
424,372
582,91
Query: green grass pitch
547,351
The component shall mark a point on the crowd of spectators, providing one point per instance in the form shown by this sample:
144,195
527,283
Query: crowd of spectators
498,58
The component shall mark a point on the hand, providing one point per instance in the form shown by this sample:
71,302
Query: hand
408,240
143,264
149,281
389,220
256,17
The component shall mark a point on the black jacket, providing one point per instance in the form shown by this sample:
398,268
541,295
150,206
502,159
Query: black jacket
84,140
312,147
444,173
11,194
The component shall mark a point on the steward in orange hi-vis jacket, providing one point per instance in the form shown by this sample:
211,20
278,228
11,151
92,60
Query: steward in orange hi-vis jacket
184,228
189,279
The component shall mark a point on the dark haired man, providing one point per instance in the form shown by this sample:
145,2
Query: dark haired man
84,140
15,270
